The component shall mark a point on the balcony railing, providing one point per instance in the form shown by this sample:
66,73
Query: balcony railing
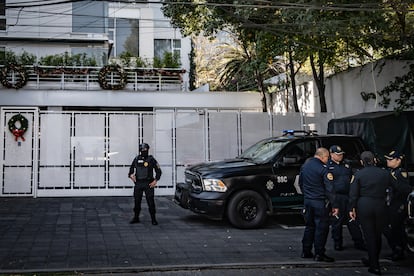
92,78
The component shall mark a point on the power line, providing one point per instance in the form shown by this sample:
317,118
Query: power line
254,5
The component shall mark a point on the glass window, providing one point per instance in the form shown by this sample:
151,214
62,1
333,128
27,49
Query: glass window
162,46
125,35
299,152
177,43
263,151
2,55
2,7
3,24
89,16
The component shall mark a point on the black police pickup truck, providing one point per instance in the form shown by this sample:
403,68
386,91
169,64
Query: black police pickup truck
263,179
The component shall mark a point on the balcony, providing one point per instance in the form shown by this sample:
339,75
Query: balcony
82,78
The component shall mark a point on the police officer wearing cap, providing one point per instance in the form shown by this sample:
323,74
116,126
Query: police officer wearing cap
339,174
318,197
141,172
397,210
367,201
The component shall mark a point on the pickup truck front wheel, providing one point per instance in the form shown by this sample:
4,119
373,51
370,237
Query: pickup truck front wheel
246,210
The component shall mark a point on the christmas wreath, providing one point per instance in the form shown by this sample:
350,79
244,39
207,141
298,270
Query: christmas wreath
18,131
108,85
21,76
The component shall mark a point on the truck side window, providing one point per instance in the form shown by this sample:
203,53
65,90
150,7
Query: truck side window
299,152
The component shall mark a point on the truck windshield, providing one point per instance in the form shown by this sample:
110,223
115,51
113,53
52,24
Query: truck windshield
263,151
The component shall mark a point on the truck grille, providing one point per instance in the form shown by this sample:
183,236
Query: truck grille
194,181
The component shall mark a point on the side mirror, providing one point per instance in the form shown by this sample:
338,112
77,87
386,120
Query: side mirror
285,161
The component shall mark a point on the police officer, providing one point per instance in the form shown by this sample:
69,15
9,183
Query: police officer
367,200
318,196
340,173
397,210
141,173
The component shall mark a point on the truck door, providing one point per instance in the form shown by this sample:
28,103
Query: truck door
286,169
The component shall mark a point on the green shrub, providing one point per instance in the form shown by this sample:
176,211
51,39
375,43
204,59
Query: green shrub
130,60
68,60
169,60
25,58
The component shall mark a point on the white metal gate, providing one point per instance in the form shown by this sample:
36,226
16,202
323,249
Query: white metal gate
18,154
82,153
89,153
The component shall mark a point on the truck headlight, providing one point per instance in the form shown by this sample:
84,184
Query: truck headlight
214,185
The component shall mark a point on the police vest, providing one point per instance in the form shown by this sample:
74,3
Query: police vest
143,168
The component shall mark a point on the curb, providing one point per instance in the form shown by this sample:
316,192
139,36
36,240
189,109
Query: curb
198,267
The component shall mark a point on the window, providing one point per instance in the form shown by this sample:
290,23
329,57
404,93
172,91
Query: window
162,46
2,55
89,16
2,15
298,153
125,35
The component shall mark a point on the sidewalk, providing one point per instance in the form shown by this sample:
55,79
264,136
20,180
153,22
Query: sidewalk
92,235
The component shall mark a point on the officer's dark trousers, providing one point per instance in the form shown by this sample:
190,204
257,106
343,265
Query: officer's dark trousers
139,189
371,215
394,229
343,218
316,215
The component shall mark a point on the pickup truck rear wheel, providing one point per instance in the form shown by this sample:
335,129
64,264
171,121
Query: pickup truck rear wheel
246,210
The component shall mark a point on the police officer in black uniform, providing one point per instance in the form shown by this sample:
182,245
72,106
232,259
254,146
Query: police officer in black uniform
340,174
318,196
141,173
397,210
367,200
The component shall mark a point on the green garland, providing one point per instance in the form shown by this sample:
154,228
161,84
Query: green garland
117,70
20,72
18,131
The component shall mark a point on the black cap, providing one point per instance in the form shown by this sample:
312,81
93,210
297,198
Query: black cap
394,154
336,149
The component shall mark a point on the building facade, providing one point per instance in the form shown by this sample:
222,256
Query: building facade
99,29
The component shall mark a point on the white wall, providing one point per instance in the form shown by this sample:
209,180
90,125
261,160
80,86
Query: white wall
343,90
232,100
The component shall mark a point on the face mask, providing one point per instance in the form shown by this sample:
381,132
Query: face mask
144,153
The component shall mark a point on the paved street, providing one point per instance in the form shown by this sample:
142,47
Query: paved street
92,236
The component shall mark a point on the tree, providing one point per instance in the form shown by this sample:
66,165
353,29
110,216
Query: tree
245,67
332,36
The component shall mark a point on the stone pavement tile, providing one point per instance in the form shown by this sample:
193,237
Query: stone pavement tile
99,236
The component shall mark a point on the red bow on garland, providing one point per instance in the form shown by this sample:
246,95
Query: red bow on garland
18,133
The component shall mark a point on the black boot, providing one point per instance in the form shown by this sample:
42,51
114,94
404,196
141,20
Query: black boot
153,220
135,219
